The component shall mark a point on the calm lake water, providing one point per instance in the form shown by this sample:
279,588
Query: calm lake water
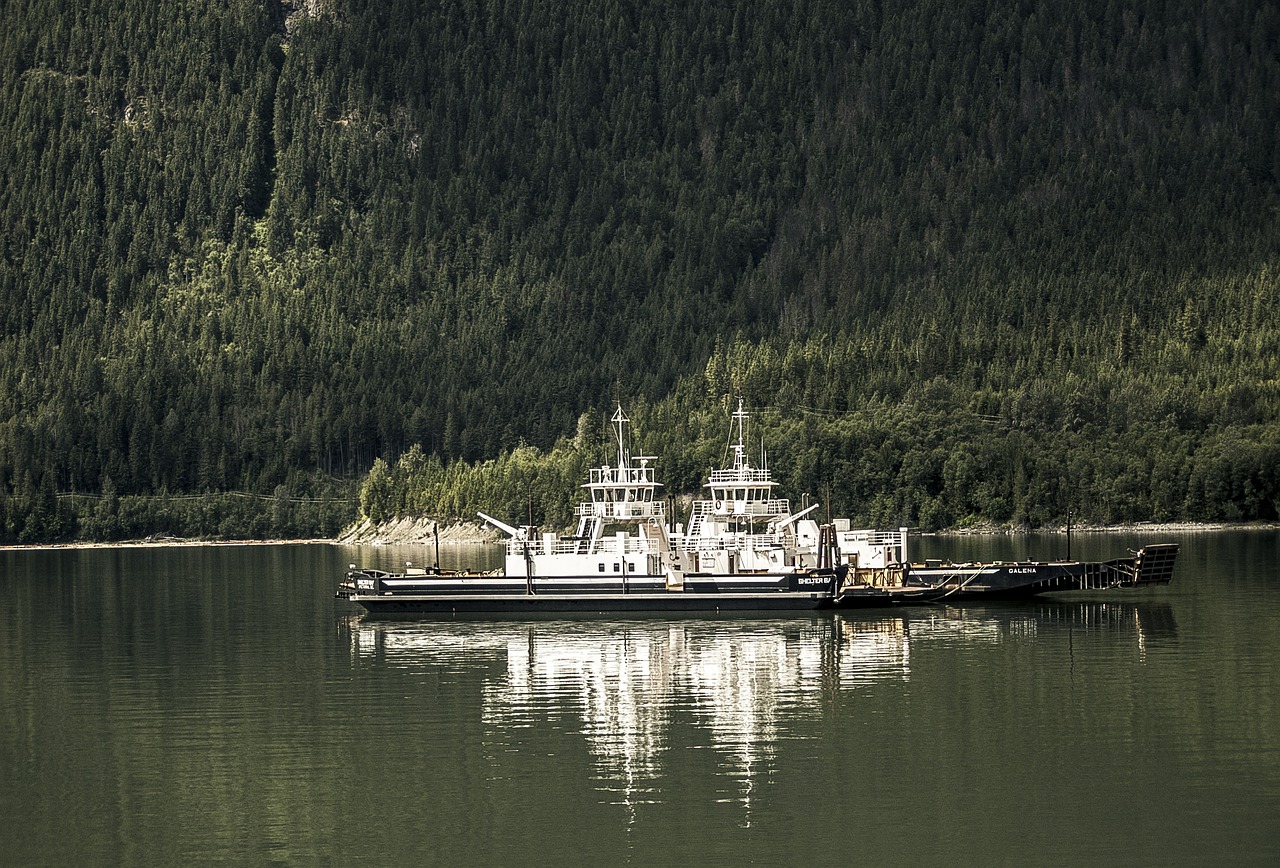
159,706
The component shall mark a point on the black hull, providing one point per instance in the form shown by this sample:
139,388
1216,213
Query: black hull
444,593
1152,565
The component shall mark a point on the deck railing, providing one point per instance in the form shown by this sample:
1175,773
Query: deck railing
606,545
744,476
755,507
625,510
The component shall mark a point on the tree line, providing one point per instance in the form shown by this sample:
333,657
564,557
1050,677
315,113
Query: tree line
248,245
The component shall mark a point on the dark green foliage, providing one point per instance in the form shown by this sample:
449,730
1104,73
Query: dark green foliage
318,510
987,261
525,485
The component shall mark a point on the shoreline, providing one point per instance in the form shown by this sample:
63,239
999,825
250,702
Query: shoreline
1125,527
421,532
163,542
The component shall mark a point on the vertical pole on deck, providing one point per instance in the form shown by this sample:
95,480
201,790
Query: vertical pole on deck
1068,534
528,563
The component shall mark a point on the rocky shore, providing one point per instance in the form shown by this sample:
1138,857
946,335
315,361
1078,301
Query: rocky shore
415,531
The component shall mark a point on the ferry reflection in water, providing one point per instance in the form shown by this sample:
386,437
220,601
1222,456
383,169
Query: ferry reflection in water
746,681
1150,623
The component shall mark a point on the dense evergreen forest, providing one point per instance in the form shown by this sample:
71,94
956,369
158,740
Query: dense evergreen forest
966,261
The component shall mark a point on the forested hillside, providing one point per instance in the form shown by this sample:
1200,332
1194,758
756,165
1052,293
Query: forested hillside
969,261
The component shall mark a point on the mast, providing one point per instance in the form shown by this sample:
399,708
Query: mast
740,448
619,420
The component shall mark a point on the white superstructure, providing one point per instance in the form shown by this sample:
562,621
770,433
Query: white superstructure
739,528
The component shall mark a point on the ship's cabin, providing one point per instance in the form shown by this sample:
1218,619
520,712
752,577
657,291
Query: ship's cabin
743,491
624,492
740,490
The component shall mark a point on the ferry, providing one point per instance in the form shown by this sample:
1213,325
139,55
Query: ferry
742,549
